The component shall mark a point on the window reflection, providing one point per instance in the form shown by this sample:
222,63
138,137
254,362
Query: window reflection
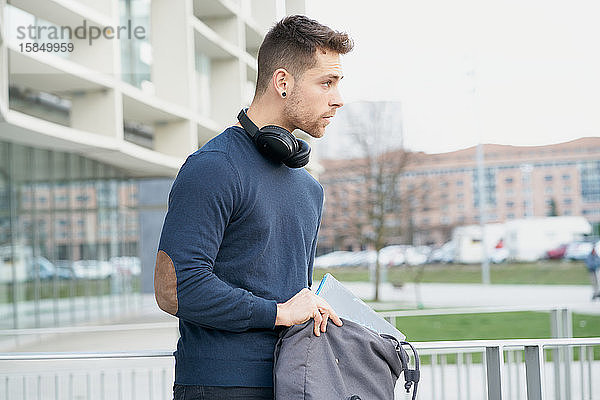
68,238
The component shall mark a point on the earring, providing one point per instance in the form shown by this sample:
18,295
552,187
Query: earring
283,94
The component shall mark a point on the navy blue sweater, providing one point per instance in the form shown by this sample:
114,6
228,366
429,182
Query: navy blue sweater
241,232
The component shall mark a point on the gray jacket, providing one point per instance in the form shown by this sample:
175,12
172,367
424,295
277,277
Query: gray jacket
349,362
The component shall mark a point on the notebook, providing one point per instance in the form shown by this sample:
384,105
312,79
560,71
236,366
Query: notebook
350,307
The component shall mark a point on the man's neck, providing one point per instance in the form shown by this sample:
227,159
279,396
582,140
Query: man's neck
263,114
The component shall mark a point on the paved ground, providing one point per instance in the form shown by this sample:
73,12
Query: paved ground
162,333
441,295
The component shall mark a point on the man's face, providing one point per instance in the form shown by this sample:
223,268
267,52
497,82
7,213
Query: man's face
315,97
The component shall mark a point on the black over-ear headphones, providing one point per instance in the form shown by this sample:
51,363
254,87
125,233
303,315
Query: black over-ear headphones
276,143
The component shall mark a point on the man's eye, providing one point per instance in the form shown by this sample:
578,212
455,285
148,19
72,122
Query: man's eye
328,83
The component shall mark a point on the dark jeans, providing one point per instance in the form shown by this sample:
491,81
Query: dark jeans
189,392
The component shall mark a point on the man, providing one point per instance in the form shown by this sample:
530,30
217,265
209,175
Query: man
237,248
593,264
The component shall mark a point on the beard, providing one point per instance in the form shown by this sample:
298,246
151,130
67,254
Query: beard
299,115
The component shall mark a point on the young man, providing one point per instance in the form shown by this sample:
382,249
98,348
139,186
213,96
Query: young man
238,242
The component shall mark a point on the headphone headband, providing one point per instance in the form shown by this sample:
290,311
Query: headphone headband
276,143
249,126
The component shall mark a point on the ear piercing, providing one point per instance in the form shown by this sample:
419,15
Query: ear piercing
283,94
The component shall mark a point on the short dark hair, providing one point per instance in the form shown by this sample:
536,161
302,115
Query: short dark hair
292,43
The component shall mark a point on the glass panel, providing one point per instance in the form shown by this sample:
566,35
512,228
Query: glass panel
40,269
6,273
136,54
68,239
61,239
22,238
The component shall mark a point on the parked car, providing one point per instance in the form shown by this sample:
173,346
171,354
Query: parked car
578,250
499,255
333,259
417,255
392,255
364,258
93,269
127,265
444,254
557,253
46,270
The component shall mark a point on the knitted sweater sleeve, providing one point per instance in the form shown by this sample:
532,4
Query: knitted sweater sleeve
203,199
313,248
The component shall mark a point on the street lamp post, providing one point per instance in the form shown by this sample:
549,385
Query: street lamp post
485,262
481,192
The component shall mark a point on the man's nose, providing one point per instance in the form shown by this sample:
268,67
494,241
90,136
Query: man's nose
336,99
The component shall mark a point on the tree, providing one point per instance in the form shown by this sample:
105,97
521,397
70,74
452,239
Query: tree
376,128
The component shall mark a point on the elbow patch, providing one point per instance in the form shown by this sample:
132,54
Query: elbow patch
165,283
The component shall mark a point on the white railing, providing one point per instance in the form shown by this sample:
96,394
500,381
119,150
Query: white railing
482,369
559,364
558,368
510,369
90,376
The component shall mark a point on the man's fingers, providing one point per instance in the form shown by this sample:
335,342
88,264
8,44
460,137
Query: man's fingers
326,308
318,319
324,322
336,320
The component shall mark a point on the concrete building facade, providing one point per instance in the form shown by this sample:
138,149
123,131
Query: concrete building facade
100,103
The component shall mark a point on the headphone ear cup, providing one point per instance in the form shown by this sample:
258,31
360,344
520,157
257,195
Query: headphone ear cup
276,143
301,157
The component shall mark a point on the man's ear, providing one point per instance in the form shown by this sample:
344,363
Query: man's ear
283,82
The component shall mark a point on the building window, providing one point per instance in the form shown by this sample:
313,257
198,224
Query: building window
567,201
489,187
136,55
510,204
508,180
548,178
590,182
566,177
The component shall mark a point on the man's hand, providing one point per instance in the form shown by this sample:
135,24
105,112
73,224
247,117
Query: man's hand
304,306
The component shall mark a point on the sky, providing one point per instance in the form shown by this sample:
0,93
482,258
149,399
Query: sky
523,72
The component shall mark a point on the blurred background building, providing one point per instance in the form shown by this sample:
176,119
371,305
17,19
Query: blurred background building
440,191
91,138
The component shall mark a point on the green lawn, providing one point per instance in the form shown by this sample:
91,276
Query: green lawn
542,273
31,290
509,325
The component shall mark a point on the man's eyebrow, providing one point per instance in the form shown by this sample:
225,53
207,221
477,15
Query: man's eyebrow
334,76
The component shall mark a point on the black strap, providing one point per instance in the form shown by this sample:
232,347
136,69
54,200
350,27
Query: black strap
249,126
411,376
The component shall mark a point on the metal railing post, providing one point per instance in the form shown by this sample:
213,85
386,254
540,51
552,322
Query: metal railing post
567,352
494,361
556,333
534,363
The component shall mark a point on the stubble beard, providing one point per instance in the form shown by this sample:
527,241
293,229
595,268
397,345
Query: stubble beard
299,116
